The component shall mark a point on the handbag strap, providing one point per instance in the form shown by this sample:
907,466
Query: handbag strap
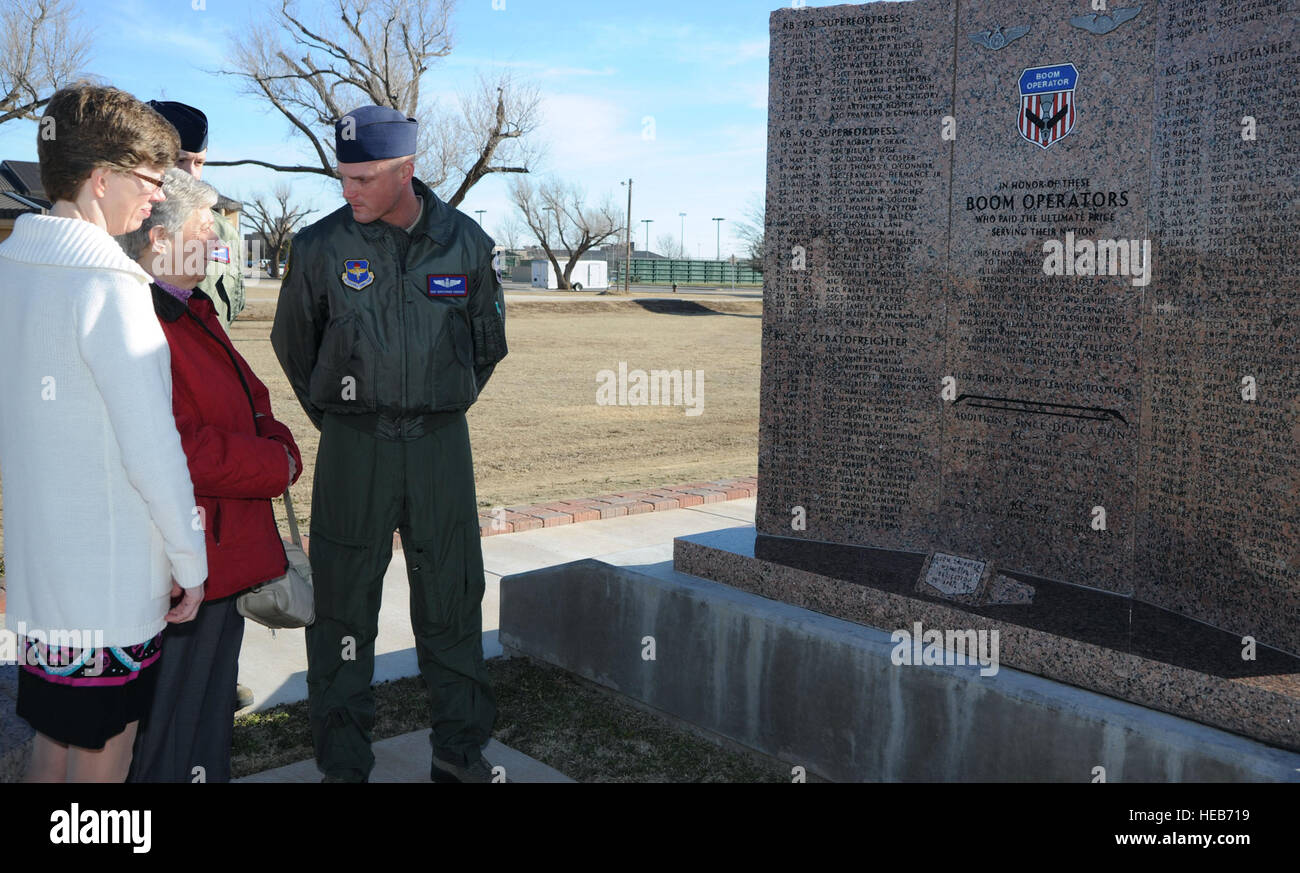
293,522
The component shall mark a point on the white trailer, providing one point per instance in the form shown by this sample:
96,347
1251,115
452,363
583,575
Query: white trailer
586,275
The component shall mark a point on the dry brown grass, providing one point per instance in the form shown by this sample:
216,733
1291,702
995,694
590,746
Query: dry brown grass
537,432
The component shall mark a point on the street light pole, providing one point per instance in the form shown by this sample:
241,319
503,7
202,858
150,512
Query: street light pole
647,222
480,216
719,226
681,238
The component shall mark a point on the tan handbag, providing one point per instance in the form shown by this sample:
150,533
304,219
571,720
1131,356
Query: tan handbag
288,601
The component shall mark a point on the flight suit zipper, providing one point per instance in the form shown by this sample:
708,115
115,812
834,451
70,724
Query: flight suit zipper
401,319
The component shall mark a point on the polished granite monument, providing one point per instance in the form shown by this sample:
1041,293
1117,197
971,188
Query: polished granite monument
1032,315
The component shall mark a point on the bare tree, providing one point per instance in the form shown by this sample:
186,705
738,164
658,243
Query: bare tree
563,224
376,52
751,231
510,233
275,222
485,135
670,246
42,49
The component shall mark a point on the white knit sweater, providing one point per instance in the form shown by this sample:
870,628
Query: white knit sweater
99,510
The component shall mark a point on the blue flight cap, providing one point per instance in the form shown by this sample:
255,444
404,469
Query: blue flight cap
373,133
189,122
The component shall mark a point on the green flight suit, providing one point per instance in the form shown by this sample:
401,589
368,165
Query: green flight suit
224,282
387,338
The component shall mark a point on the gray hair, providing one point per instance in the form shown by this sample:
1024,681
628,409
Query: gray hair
184,195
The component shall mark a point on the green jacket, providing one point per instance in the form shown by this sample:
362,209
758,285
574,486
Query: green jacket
224,283
359,328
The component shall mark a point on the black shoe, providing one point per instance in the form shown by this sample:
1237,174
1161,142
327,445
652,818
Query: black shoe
445,771
329,778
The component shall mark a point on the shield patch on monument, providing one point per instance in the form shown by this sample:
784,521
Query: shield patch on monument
1047,103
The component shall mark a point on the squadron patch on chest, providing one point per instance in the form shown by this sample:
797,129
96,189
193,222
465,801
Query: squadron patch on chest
356,274
448,286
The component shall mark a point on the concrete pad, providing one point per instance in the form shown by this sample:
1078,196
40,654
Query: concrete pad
405,758
739,510
275,666
530,550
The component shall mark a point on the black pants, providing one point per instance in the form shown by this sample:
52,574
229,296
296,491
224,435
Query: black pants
364,489
186,735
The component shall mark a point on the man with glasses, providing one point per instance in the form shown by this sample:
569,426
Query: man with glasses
390,322
224,283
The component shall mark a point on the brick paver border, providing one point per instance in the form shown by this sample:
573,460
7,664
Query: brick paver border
556,513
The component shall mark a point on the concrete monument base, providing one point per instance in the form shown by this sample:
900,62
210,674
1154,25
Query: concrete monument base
827,695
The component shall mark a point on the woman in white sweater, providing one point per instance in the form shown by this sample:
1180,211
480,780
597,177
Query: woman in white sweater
101,529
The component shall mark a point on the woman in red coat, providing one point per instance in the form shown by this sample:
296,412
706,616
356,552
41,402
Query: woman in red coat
239,458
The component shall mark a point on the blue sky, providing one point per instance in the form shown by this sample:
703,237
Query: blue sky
693,70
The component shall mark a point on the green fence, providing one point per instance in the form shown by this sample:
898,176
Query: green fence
665,271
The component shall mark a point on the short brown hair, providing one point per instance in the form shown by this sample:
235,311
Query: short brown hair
95,126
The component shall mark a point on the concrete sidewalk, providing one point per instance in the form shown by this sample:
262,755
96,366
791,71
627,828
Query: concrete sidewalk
274,665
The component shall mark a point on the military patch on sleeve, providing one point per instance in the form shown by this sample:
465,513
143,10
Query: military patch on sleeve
219,252
448,286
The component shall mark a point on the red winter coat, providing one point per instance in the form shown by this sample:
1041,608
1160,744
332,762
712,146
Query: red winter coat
236,460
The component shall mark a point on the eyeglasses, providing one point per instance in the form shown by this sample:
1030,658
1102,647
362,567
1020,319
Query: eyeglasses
157,183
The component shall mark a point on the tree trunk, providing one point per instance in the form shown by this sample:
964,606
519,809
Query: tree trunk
561,276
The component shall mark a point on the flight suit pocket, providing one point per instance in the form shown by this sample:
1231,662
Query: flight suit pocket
343,380
447,582
453,362
489,340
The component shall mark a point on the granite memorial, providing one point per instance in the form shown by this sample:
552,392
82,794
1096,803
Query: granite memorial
1032,307
1030,389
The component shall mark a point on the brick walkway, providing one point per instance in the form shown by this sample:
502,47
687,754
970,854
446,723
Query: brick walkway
521,518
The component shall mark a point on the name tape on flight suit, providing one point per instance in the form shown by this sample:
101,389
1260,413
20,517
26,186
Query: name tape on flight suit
448,286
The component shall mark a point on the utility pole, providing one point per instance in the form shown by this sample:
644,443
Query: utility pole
627,273
719,226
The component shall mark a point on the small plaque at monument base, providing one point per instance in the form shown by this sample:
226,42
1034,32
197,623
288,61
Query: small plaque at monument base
956,578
